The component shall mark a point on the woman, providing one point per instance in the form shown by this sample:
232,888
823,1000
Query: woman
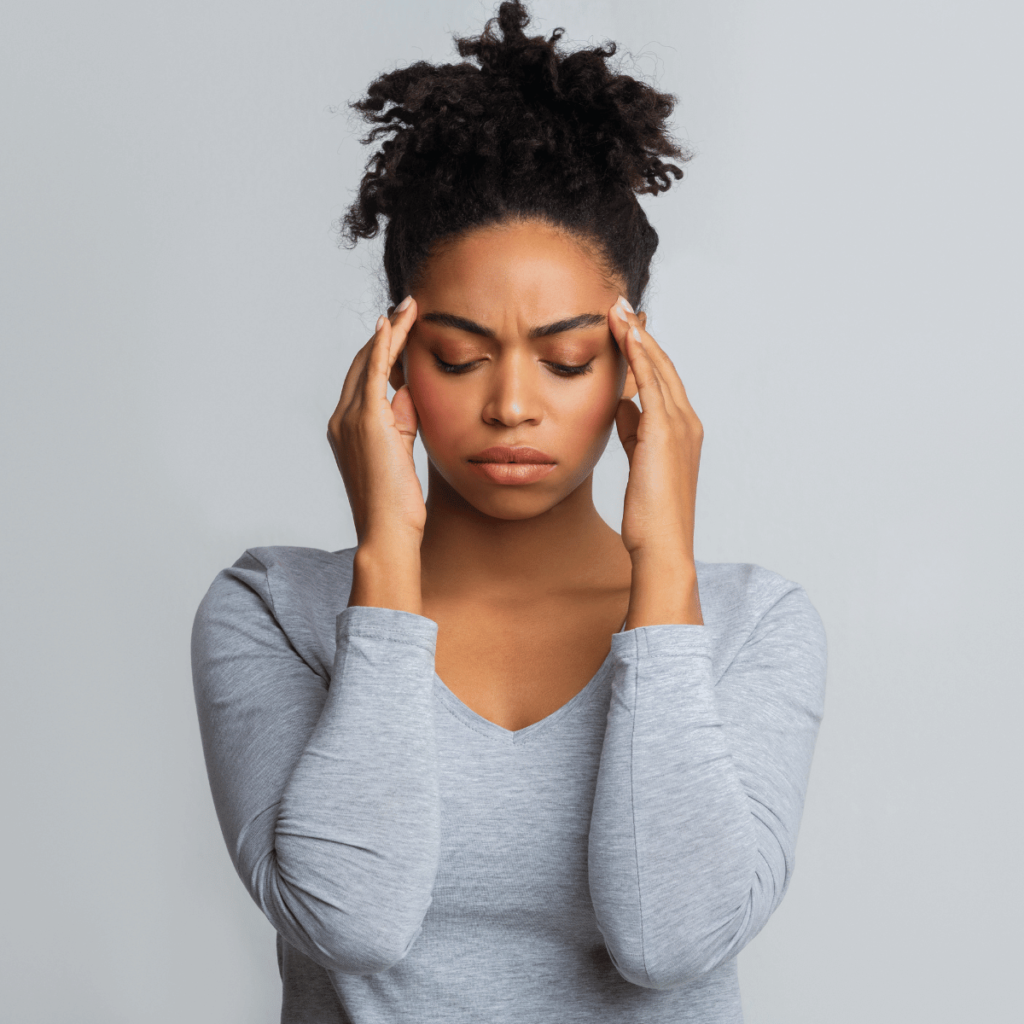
500,762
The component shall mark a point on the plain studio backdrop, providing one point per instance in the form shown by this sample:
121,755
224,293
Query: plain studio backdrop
839,286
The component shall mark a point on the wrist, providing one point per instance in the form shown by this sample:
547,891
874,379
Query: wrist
387,576
664,591
675,561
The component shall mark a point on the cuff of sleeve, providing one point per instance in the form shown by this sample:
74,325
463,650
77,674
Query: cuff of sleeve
388,624
668,641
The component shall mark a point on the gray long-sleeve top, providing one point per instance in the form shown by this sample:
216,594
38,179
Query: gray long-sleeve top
420,863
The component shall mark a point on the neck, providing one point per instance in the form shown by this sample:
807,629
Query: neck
465,551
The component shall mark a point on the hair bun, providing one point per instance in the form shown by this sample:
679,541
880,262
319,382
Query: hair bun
518,128
577,104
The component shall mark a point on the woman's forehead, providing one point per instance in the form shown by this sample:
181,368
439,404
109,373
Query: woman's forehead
541,273
574,322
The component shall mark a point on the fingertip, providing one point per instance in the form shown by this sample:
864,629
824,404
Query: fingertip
381,321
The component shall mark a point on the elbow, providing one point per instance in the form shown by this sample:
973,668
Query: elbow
354,936
676,969
677,955
674,972
363,927
370,954
364,946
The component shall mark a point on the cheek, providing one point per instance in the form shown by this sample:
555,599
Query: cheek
592,419
439,415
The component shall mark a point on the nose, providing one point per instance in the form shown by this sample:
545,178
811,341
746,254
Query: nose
513,396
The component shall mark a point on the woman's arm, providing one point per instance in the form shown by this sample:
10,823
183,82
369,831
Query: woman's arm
327,797
701,788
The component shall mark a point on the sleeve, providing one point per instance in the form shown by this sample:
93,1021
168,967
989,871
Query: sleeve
327,795
700,790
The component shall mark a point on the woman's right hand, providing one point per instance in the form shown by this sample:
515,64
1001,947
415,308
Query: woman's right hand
372,440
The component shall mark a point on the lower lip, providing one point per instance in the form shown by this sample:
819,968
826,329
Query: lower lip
513,472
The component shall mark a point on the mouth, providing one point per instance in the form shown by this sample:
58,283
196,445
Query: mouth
508,455
513,472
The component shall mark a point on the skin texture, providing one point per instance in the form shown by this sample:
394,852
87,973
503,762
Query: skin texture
526,582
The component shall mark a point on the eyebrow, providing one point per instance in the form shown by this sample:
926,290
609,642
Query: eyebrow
471,326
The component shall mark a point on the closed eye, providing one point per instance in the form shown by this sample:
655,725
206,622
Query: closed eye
561,369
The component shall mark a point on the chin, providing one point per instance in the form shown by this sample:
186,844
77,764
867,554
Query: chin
511,507
503,501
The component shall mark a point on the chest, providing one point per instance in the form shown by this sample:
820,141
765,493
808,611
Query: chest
515,821
516,664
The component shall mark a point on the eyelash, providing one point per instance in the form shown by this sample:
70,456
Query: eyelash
562,371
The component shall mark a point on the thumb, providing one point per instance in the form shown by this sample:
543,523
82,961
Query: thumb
406,419
627,419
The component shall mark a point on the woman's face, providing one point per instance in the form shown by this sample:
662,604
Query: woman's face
511,347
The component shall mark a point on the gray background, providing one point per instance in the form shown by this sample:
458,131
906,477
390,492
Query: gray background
839,286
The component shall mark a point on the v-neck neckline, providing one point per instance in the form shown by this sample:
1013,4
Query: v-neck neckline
484,725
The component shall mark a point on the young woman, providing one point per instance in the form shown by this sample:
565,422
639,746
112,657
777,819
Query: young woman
499,762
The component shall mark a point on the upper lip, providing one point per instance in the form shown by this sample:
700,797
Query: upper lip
502,453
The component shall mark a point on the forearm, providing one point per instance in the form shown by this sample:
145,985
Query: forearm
701,788
672,844
357,837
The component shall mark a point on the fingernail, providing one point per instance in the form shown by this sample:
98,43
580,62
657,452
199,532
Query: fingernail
621,313
381,321
404,304
636,335
622,300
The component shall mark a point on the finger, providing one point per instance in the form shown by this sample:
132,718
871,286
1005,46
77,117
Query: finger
354,376
378,365
662,364
629,338
667,372
353,394
668,376
672,382
402,319
354,389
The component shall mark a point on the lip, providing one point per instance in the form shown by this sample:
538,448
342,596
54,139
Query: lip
513,472
506,454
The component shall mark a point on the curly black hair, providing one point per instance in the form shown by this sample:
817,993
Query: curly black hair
528,131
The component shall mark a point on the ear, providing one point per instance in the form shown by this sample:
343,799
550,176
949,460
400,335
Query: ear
642,317
397,377
629,388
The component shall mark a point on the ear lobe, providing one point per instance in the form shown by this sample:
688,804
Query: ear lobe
397,377
642,317
629,388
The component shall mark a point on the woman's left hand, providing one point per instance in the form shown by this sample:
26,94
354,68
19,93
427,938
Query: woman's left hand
662,443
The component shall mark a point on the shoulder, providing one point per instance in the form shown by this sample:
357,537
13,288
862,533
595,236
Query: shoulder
745,604
303,574
282,575
740,591
281,596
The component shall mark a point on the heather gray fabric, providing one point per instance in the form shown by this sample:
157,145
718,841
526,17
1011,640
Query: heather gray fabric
422,864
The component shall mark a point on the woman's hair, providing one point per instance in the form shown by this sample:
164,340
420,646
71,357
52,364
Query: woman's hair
528,131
